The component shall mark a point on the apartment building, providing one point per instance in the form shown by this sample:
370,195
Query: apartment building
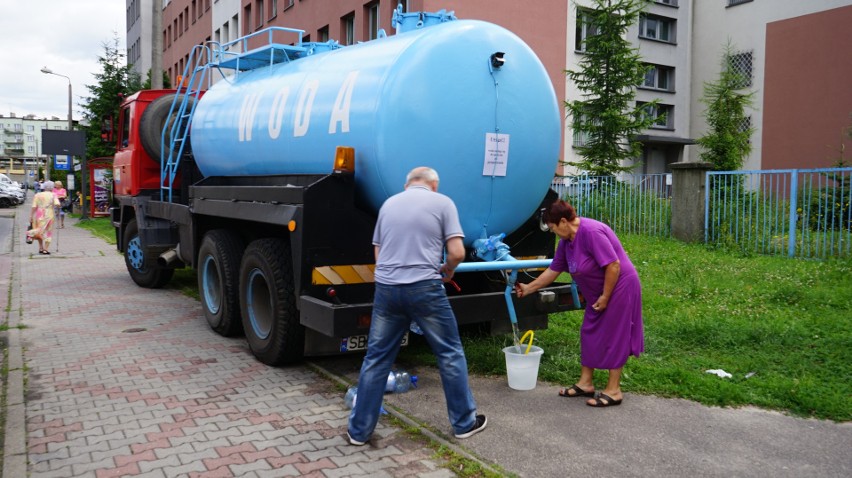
798,55
793,50
139,36
20,144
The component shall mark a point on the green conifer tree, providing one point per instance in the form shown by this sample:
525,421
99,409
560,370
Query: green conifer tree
607,117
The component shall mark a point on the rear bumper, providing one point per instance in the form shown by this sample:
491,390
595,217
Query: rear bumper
343,320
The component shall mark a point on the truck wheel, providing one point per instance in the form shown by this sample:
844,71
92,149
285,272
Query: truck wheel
218,281
268,303
154,119
142,273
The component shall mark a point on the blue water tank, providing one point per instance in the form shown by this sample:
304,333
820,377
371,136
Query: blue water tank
435,96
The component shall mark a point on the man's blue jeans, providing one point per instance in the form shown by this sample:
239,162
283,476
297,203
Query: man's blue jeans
394,307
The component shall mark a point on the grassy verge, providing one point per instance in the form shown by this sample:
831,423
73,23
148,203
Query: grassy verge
782,327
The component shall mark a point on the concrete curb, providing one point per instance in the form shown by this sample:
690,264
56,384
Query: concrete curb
15,433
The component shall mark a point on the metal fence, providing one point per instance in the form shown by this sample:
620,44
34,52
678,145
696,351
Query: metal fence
794,212
634,203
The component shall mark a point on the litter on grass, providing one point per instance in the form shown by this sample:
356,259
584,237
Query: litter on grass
719,372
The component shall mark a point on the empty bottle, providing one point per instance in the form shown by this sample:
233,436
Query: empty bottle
350,397
400,381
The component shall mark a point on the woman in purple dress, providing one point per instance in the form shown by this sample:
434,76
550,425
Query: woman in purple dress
612,322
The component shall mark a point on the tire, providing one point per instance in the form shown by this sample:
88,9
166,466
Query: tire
268,303
5,202
154,119
218,281
142,269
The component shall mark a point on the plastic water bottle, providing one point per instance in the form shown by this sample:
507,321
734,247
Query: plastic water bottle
350,397
400,381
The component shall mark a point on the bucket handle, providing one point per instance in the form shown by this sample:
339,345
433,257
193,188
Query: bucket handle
529,345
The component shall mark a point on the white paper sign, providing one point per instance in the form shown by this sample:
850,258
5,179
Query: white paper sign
496,154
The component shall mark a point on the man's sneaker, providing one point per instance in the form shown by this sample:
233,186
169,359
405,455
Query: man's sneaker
353,441
477,427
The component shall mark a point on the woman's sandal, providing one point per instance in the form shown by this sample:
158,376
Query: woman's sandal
575,391
45,253
604,400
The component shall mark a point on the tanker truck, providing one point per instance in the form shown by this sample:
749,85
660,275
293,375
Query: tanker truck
264,170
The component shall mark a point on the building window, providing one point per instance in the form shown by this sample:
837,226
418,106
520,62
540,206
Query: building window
731,3
740,64
322,34
667,2
663,115
247,19
347,27
371,11
585,29
258,22
580,138
273,9
289,4
654,27
659,77
745,125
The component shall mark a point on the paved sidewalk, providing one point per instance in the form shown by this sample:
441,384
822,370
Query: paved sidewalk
125,381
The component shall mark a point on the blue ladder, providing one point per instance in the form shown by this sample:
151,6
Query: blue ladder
201,60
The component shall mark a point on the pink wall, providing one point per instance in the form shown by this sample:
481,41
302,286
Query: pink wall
807,93
176,50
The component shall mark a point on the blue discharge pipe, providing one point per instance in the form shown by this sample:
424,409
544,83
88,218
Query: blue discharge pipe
497,257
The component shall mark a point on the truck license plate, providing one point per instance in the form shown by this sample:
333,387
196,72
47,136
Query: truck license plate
359,342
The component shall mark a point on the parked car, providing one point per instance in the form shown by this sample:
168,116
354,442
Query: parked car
8,198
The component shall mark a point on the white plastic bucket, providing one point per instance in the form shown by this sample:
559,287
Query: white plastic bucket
521,368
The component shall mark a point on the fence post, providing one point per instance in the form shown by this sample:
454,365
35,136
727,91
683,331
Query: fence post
688,190
794,201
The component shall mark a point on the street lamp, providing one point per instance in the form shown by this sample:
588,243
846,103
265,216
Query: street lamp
48,71
83,171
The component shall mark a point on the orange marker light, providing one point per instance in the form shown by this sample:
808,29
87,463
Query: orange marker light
291,226
344,160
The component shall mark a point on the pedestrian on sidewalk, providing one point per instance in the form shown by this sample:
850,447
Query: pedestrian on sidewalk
411,232
61,196
42,218
612,323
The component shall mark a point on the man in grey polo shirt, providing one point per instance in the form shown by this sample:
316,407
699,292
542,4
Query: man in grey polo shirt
412,229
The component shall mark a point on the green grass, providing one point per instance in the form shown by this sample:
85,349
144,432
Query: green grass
787,321
184,280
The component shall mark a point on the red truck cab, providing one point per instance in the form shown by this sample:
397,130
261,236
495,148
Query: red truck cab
134,168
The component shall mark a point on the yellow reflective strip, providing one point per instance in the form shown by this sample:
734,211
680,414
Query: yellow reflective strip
347,274
336,275
325,275
366,273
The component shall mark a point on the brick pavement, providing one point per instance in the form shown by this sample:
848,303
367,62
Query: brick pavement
125,381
